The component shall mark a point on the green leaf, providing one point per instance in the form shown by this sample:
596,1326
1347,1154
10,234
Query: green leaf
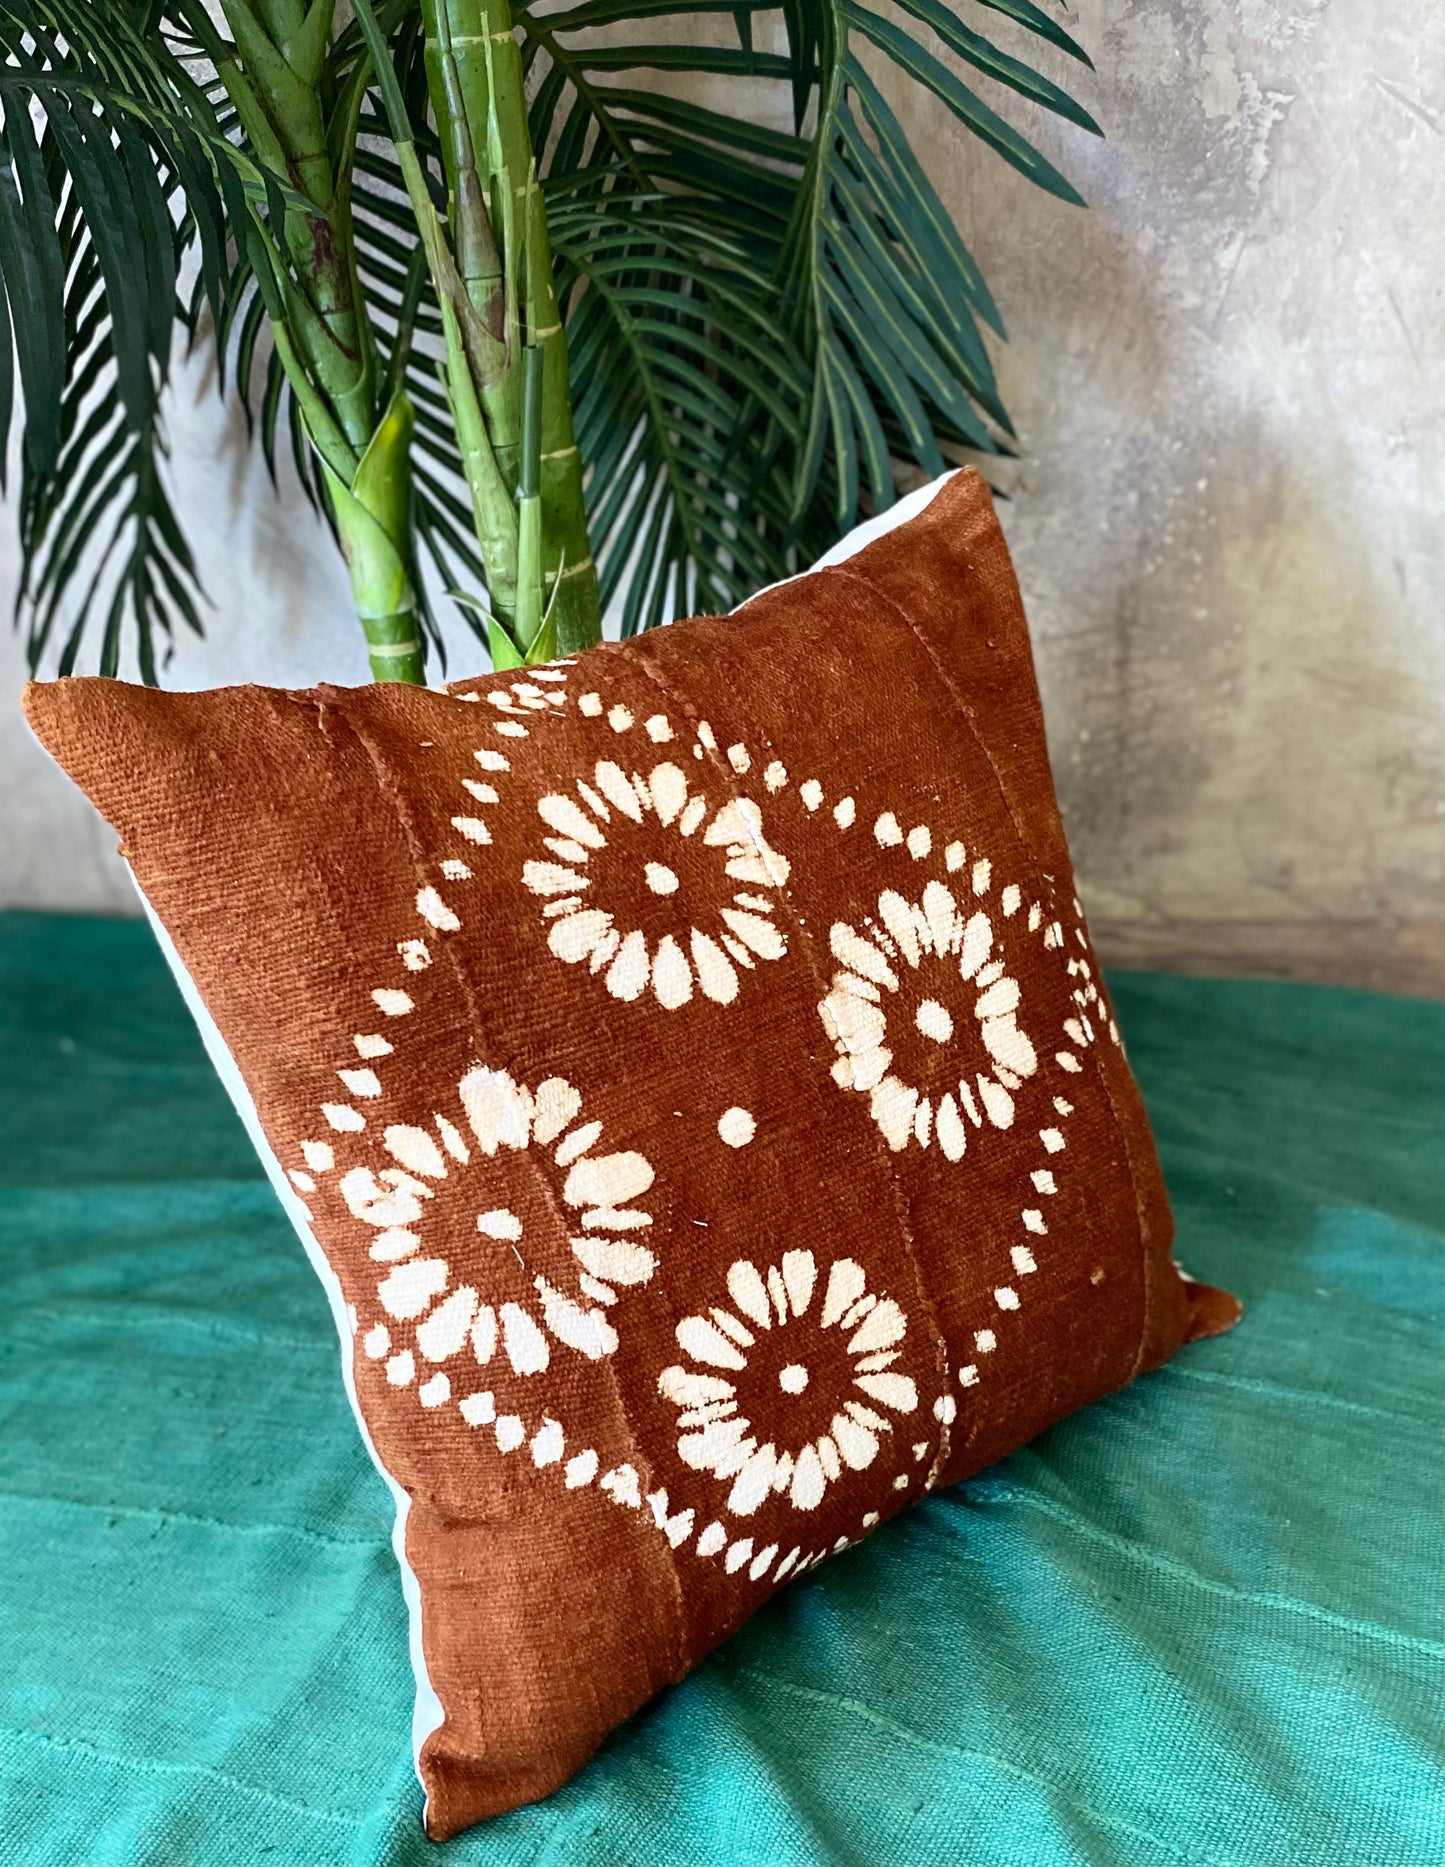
591,14
503,650
1036,20
32,279
869,278
971,111
719,61
131,170
975,50
911,201
7,387
881,358
676,353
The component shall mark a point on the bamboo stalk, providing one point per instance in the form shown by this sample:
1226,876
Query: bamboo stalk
462,65
280,106
475,82
319,320
471,351
493,513
506,359
529,506
373,516
571,578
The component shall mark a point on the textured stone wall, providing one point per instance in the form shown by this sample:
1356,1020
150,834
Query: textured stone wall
1228,384
1229,381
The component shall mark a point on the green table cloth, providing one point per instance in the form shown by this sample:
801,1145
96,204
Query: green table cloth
1198,1623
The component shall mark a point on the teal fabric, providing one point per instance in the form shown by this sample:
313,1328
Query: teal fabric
1199,1623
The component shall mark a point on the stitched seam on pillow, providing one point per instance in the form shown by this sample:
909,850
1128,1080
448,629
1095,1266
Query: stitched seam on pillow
901,1203
390,791
966,714
1146,1255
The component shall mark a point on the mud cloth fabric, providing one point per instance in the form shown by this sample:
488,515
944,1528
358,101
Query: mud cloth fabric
691,1065
1198,1622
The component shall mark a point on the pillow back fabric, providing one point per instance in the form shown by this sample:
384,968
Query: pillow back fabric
696,1072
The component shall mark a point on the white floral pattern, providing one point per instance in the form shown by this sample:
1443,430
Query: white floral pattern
925,976
829,1354
702,923
930,975
496,1115
1089,1001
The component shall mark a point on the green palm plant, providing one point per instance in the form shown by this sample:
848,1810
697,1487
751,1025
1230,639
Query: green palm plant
527,313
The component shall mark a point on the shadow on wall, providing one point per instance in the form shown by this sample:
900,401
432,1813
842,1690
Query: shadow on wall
1223,513
1246,750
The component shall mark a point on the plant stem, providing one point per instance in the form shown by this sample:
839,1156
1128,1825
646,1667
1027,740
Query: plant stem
373,516
475,81
274,76
529,506
280,107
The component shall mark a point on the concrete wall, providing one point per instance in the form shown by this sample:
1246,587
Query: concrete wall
1228,384
1229,379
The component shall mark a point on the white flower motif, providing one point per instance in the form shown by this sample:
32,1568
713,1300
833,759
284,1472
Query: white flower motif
629,891
498,1116
813,1377
1088,1001
922,1014
523,697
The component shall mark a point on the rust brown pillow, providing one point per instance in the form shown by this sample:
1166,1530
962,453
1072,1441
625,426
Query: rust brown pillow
695,1071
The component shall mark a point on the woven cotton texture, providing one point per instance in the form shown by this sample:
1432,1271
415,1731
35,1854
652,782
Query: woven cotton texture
693,1064
1197,1623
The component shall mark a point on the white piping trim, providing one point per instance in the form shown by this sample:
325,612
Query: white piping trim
865,534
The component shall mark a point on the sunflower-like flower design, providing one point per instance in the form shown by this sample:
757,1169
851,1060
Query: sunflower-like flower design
627,893
497,1116
790,1387
924,1018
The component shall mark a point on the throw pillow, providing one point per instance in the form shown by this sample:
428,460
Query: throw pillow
690,1068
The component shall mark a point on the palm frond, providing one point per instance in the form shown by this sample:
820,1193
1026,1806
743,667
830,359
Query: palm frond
676,355
872,294
128,171
765,325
